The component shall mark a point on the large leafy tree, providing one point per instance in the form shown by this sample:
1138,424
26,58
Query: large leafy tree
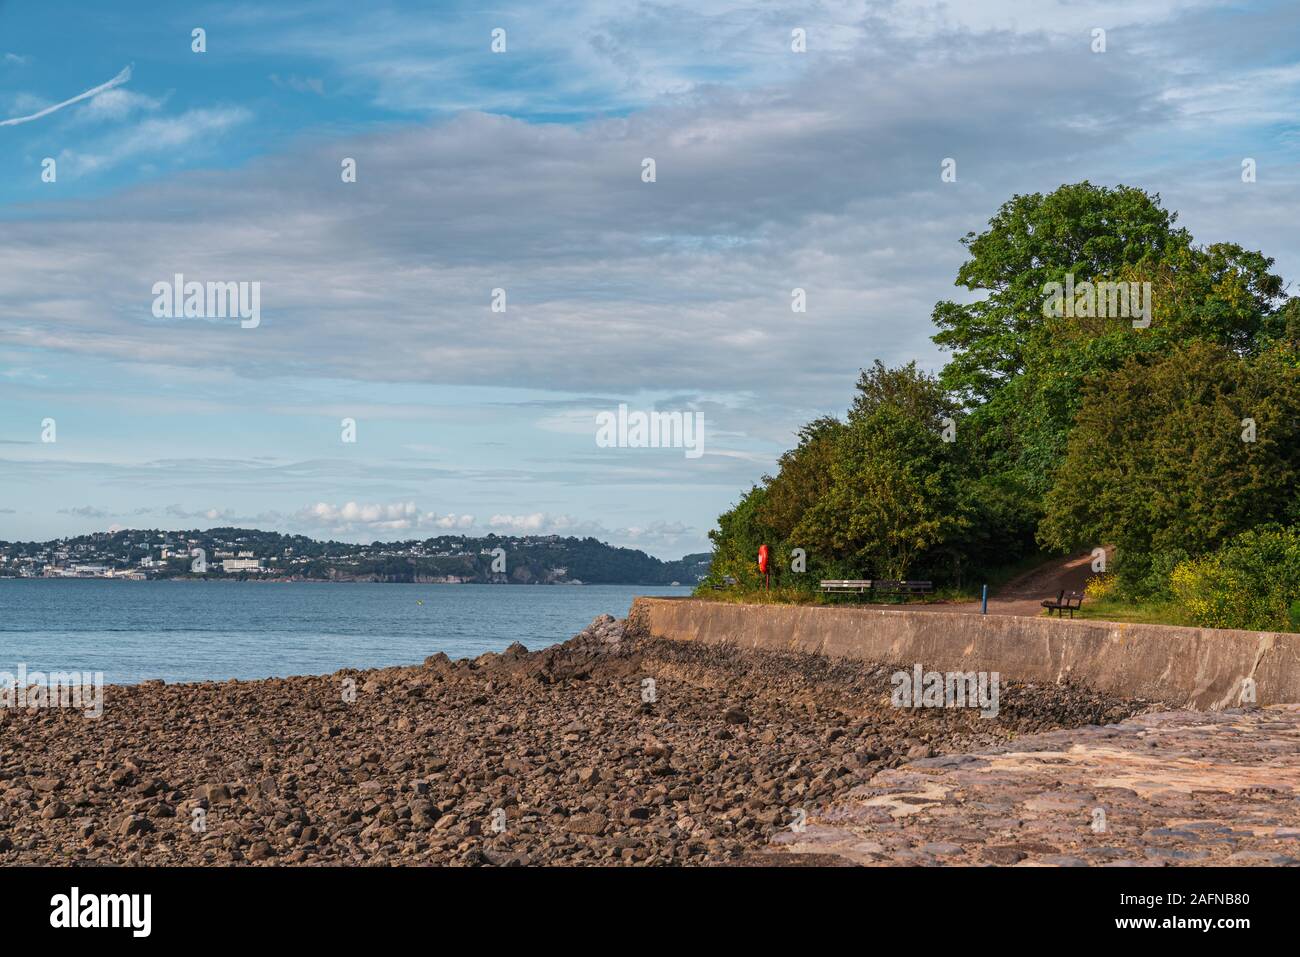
1021,371
1032,240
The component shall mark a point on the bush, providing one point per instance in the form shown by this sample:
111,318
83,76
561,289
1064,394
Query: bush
1252,582
1100,587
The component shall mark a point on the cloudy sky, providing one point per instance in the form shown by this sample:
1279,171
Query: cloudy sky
522,170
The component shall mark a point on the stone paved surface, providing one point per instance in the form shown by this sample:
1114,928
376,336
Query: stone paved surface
1173,788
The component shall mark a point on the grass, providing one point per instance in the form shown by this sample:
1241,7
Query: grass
777,596
1106,609
1139,613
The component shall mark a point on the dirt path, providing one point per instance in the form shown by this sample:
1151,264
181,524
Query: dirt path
1024,594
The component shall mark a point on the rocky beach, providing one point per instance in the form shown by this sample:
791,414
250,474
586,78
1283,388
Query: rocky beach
606,749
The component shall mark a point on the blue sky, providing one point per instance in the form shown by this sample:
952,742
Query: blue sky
521,170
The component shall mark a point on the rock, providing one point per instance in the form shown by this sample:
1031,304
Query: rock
1002,854
214,793
54,810
654,748
285,771
587,823
134,824
941,848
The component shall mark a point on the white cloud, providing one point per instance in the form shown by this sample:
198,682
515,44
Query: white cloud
116,105
194,131
450,521
354,517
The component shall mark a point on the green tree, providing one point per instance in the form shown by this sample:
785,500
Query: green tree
1164,464
1021,371
736,539
803,477
1032,240
891,495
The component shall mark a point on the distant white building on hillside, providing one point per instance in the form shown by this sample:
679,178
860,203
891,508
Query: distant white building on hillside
241,565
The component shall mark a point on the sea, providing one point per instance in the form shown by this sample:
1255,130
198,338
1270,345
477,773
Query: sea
212,631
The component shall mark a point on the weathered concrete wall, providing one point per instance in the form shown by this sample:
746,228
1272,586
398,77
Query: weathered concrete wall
1187,667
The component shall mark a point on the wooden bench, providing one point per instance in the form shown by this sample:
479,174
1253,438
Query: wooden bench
831,585
904,588
882,586
1065,601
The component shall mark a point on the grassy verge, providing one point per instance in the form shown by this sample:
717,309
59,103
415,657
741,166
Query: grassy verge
777,596
1142,613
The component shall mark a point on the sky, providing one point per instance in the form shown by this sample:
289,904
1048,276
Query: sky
522,170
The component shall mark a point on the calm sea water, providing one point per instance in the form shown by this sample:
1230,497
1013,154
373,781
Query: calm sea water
195,631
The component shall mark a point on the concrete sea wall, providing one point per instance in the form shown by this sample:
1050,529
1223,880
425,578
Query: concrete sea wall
1203,668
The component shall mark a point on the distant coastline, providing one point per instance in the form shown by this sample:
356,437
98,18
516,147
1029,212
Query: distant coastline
239,554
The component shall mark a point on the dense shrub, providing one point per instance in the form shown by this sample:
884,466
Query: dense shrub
1252,582
1100,587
